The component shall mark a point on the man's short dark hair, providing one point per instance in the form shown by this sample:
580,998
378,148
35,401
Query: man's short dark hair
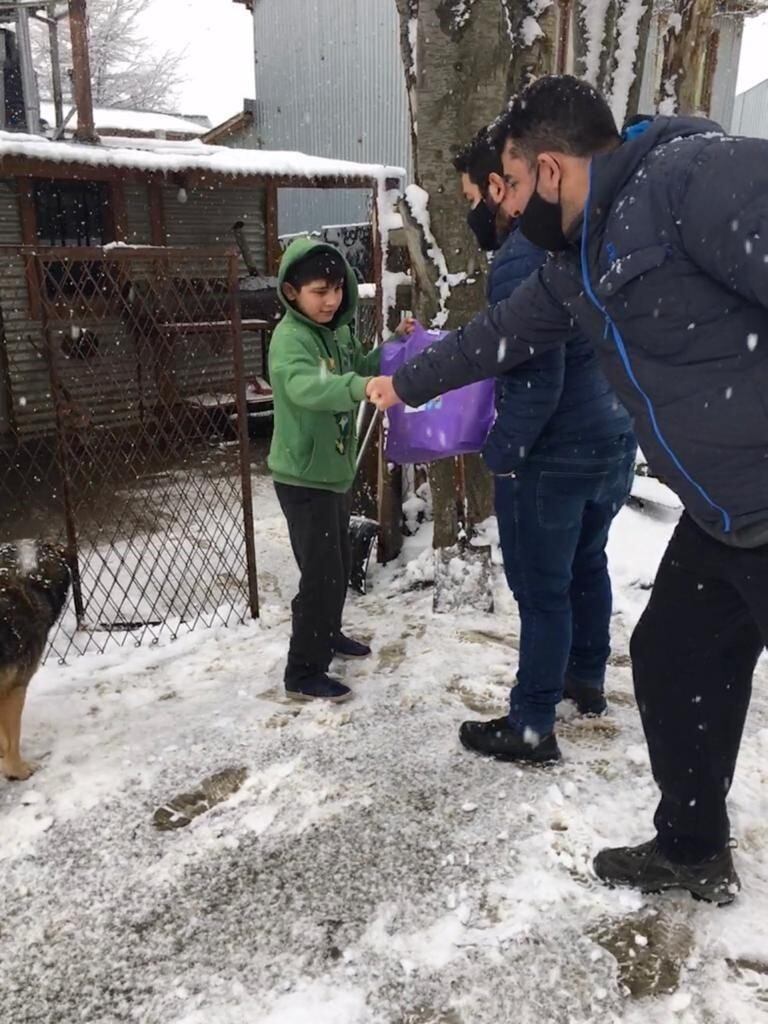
558,114
320,265
478,159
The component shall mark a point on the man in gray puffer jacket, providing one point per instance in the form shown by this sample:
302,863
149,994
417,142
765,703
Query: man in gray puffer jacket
661,259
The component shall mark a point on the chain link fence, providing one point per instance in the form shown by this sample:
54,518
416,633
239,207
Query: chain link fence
137,457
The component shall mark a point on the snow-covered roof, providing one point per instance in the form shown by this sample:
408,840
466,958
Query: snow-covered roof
148,122
167,157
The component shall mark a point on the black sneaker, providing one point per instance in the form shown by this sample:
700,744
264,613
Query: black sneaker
320,687
346,647
646,868
589,700
498,739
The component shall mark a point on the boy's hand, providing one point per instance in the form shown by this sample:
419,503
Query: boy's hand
406,326
381,391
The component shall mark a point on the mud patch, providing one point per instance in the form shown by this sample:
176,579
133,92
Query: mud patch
486,638
650,950
391,656
282,718
591,729
425,1015
483,703
620,661
620,699
213,790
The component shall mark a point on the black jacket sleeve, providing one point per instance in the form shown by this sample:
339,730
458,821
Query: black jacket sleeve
531,321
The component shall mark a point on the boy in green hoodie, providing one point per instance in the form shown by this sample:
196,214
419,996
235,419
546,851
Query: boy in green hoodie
319,374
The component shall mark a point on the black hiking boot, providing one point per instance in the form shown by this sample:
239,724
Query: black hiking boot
319,687
346,647
589,700
646,868
498,739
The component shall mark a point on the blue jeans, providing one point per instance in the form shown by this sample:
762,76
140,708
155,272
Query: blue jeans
554,514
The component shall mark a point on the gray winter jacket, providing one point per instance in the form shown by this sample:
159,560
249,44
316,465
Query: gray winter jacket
668,277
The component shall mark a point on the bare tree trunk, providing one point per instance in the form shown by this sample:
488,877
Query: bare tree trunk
610,44
461,67
644,31
686,57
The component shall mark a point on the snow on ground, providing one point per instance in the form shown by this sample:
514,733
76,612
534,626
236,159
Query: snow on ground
370,871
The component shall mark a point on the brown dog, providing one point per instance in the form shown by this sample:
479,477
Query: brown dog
34,583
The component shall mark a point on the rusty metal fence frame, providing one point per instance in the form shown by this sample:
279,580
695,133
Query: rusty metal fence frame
175,312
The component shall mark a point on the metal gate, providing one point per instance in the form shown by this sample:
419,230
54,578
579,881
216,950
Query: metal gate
148,478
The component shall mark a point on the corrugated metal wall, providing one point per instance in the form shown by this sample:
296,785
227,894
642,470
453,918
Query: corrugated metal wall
750,112
727,71
24,342
329,81
137,211
207,217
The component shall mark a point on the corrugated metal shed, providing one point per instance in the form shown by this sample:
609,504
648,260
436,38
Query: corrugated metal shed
329,81
750,112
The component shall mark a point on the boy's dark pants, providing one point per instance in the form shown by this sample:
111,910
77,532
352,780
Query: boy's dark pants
693,655
318,525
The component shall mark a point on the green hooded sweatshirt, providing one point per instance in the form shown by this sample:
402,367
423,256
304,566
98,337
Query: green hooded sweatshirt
318,375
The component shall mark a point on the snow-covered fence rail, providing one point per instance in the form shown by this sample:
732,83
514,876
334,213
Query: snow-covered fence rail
147,479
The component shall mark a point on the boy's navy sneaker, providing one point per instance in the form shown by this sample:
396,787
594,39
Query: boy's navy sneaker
346,647
498,739
589,700
319,687
646,868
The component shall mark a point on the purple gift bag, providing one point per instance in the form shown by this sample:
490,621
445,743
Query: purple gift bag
454,424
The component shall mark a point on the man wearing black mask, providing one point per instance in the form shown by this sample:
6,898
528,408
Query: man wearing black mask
562,454
474,163
662,239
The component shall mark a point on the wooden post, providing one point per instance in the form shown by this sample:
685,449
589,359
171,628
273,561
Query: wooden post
272,242
81,72
378,267
389,481
53,42
242,432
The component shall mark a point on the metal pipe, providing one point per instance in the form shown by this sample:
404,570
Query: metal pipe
81,72
361,452
238,229
59,133
28,80
53,43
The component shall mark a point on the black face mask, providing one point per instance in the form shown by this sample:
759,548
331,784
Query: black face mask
482,223
542,222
